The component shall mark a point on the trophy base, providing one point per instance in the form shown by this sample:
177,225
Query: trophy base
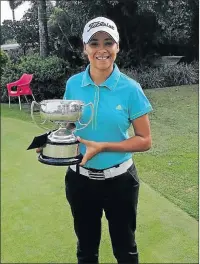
60,161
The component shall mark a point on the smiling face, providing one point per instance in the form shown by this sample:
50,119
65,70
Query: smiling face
101,51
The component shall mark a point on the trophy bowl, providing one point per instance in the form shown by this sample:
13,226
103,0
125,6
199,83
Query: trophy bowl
60,119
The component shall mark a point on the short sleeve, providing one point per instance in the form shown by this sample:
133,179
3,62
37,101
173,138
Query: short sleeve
67,92
139,104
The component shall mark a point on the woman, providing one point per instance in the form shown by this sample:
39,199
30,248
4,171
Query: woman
106,179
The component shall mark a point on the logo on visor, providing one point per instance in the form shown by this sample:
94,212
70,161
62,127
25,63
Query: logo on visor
99,24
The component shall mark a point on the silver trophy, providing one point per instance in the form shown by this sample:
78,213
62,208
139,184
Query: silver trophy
61,119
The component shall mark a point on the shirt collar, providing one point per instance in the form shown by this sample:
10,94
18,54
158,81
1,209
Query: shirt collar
110,83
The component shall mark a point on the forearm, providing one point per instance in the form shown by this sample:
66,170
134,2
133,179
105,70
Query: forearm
133,144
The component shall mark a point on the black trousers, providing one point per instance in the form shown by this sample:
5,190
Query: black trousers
118,198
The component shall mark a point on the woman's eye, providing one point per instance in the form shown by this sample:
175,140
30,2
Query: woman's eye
110,43
93,44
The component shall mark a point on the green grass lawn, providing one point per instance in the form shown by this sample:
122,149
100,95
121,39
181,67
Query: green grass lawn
171,166
37,226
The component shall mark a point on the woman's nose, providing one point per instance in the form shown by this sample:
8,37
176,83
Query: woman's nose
102,46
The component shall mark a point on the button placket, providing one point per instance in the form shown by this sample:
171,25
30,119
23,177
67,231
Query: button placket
96,103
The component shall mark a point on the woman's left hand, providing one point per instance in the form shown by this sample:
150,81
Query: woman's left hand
92,148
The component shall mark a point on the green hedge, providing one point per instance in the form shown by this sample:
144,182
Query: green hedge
4,59
50,75
165,76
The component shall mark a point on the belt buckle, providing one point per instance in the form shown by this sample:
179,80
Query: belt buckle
108,174
93,175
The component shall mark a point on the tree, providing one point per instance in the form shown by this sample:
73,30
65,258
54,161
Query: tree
64,33
194,40
174,19
146,27
43,31
7,32
13,5
26,30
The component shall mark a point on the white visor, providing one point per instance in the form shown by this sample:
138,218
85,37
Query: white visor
100,24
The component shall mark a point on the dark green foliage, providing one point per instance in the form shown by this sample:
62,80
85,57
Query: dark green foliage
7,31
146,27
131,58
165,76
4,58
50,75
43,31
173,19
13,5
26,30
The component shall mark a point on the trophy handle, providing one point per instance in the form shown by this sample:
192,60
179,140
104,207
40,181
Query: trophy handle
33,118
84,125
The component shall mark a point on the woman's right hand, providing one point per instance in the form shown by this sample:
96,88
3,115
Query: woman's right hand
39,150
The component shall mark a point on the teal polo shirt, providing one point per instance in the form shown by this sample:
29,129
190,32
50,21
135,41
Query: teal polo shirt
117,102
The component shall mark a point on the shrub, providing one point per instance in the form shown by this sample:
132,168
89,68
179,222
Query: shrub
50,75
4,59
180,74
165,76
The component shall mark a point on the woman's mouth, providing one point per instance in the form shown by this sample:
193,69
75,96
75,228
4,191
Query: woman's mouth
102,57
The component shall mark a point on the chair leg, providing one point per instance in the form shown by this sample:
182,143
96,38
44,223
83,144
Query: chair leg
33,97
26,98
9,100
19,103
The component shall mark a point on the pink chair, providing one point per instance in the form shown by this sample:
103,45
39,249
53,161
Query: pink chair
23,88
